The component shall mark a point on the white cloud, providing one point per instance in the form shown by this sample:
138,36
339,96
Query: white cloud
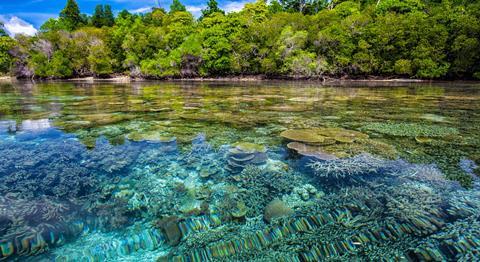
15,26
196,10
37,19
230,6
141,10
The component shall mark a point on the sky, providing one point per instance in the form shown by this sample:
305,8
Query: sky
26,16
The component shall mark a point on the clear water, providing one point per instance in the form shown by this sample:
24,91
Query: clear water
239,172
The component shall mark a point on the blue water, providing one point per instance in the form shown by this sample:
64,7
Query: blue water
62,201
77,186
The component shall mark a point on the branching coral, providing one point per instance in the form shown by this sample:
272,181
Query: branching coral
260,186
411,201
347,167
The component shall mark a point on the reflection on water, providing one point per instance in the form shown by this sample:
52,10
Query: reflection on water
264,172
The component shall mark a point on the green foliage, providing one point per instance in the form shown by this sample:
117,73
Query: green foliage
70,15
212,7
403,67
176,6
6,44
399,6
410,38
103,16
303,6
2,30
108,17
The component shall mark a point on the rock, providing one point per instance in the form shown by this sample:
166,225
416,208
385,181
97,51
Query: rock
170,228
276,209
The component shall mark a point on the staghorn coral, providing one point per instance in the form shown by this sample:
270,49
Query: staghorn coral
412,200
347,167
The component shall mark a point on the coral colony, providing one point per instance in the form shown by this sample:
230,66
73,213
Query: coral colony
232,185
149,199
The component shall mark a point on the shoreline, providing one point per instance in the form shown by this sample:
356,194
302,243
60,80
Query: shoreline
6,78
246,79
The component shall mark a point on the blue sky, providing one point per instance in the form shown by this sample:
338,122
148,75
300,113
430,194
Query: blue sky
24,16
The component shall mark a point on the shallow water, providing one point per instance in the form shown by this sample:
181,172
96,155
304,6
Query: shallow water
270,171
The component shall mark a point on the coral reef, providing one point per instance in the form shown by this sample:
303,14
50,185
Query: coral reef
276,209
411,129
165,179
323,136
309,150
412,201
242,154
331,143
171,229
257,188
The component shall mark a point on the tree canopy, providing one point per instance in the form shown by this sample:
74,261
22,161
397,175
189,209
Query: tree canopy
286,38
176,6
212,7
71,16
2,30
103,16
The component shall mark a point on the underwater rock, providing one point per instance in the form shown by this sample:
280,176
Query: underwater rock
276,209
171,230
243,153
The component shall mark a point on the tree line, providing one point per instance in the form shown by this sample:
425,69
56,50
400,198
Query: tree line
429,39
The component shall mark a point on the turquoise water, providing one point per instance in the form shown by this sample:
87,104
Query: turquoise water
239,172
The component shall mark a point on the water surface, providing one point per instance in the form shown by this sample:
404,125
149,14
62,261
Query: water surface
270,171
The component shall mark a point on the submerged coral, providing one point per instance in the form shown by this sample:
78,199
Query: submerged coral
331,143
323,136
242,154
347,167
411,129
259,186
276,209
